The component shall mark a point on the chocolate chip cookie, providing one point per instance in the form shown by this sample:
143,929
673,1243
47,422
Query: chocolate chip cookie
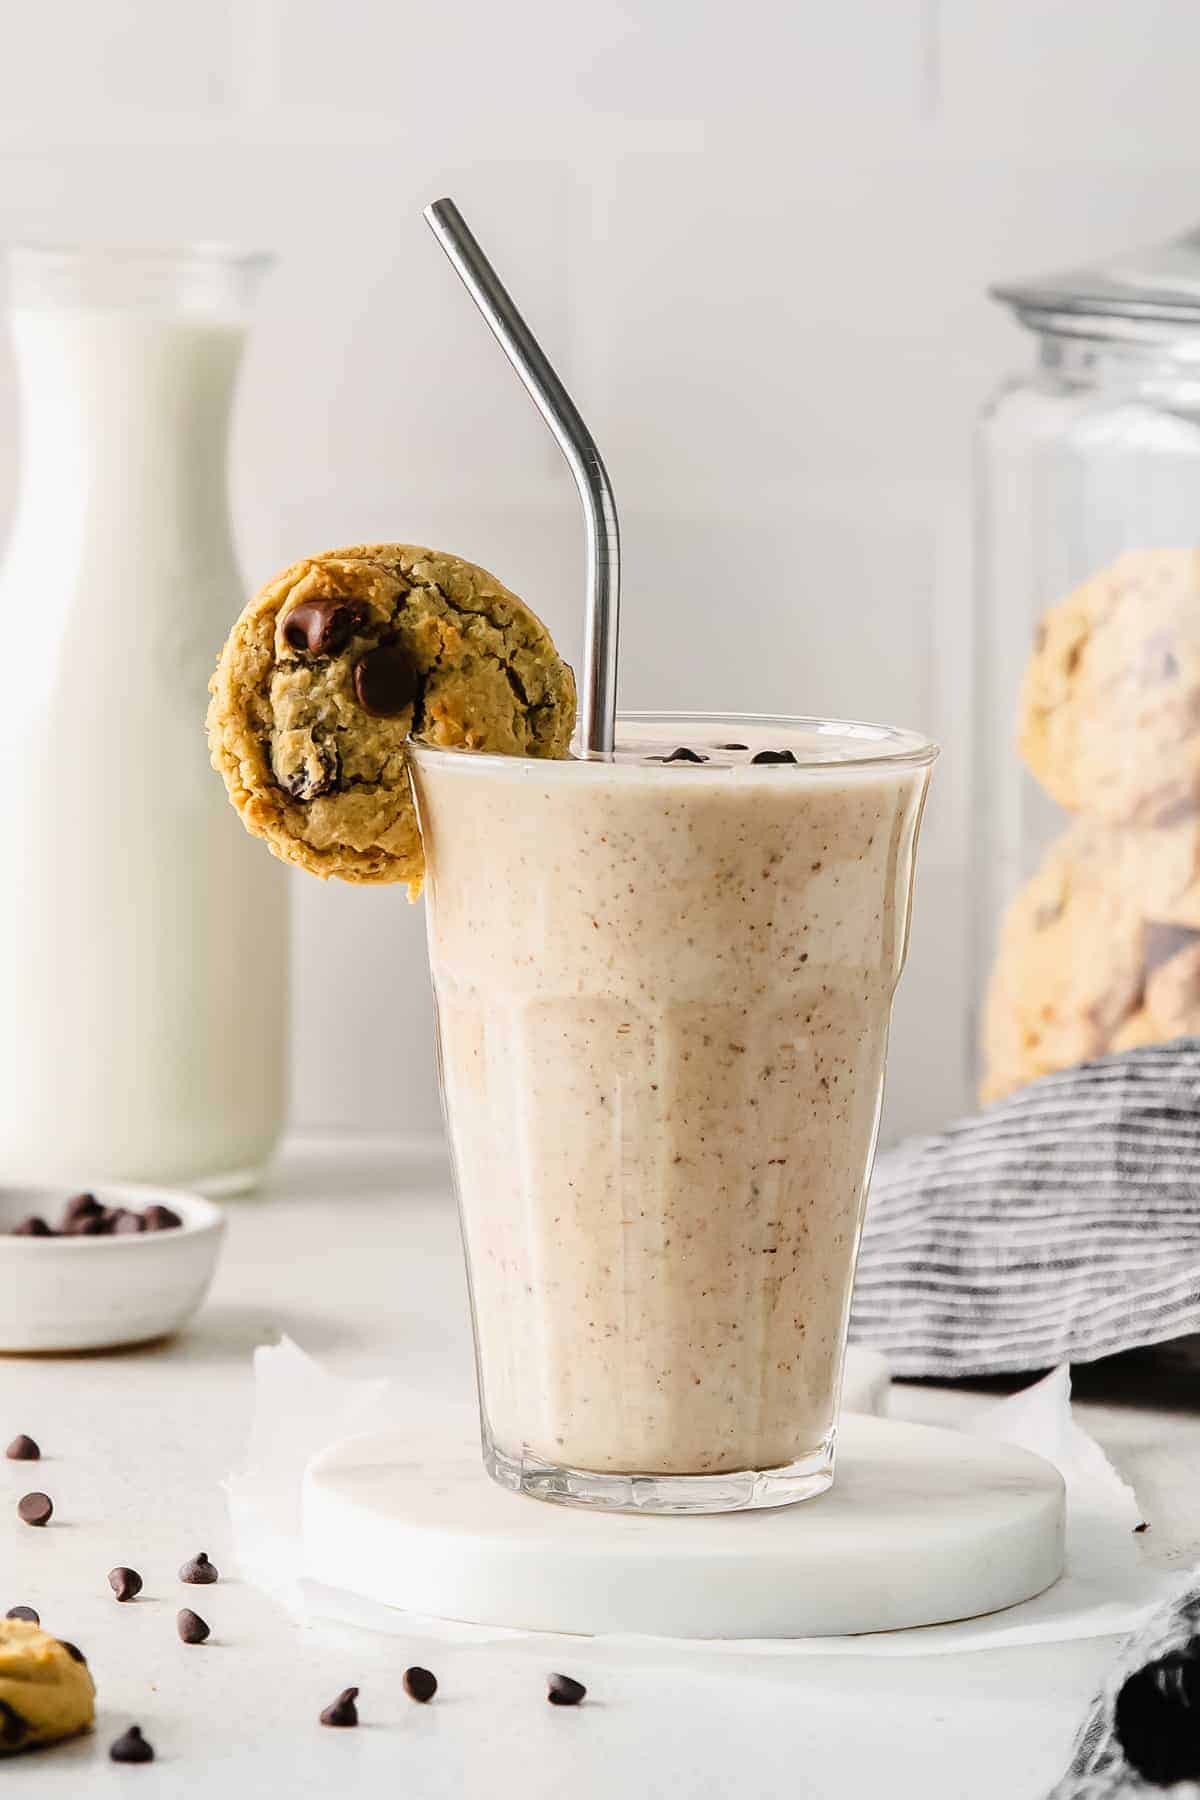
1097,954
46,1691
337,663
1110,706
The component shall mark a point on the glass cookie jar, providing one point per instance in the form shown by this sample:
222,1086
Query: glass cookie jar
1087,836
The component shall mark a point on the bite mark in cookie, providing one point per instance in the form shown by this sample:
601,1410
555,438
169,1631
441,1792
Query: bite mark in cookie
337,662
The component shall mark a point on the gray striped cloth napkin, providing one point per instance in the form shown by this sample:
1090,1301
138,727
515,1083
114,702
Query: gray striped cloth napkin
1058,1225
1142,1732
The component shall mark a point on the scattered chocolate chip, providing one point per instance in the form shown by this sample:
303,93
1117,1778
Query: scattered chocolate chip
24,1612
22,1449
1144,1526
1161,942
13,1728
385,681
35,1509
683,754
1155,1718
32,1227
131,1747
343,1711
190,1626
126,1584
733,746
161,1218
322,627
199,1570
83,1206
121,1221
774,756
561,1690
420,1684
73,1651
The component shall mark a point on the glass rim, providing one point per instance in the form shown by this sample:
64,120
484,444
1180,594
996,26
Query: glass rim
908,749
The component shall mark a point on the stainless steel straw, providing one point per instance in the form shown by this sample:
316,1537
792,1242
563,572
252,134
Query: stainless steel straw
577,445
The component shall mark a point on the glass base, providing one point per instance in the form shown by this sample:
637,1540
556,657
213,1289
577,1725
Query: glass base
741,1491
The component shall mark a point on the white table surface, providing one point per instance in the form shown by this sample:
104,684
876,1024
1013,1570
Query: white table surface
353,1251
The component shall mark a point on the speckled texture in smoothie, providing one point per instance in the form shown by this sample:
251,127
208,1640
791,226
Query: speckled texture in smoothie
663,995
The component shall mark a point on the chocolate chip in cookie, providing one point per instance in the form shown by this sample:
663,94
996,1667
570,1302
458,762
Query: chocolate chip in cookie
318,770
385,681
14,1729
322,627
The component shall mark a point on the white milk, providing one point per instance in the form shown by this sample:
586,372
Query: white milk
143,936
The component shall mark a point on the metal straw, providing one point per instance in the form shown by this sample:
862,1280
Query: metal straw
577,445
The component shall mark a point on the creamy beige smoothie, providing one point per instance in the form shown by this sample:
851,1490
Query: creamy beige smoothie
663,990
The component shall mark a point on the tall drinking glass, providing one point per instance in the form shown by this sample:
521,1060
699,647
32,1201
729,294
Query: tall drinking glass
664,986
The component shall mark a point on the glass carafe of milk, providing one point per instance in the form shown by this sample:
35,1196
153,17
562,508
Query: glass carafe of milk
143,936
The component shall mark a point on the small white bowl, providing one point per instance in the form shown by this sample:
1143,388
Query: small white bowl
94,1293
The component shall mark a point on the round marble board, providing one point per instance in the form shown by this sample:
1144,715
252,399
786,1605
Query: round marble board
921,1526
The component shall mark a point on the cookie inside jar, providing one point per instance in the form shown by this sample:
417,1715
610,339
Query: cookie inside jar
1088,694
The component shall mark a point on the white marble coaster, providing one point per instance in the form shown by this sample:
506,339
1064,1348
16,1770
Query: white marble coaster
922,1525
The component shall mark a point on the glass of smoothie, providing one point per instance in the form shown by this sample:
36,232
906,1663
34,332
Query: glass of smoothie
664,980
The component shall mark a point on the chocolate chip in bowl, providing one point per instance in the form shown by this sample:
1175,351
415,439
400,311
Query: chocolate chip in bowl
102,1267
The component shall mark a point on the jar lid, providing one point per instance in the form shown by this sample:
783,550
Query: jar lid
1159,283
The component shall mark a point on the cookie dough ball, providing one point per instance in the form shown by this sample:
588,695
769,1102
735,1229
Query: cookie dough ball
1068,971
1110,706
46,1691
337,662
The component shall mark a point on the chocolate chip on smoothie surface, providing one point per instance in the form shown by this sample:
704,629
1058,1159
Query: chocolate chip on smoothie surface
733,746
22,1449
385,681
774,756
322,627
683,754
73,1651
35,1509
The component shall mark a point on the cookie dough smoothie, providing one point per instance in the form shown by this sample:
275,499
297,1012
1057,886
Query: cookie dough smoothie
664,983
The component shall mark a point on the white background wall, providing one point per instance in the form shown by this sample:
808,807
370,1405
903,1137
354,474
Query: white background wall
755,236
